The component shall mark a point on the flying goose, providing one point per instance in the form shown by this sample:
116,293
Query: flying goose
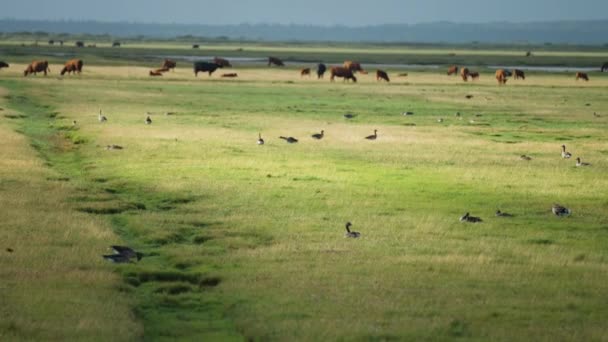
148,120
349,233
467,218
580,163
318,136
525,157
260,140
123,254
102,118
565,155
559,210
373,136
290,140
501,214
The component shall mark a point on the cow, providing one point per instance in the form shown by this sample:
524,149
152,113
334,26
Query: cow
73,65
233,74
116,44
195,46
223,62
501,76
452,70
464,73
51,42
275,61
346,73
321,68
354,67
605,67
528,53
382,75
36,67
582,76
205,67
169,64
3,65
517,74
304,72
155,73
79,44
474,75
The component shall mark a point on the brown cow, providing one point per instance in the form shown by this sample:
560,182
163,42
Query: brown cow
223,62
464,73
354,67
501,76
3,65
234,74
582,76
474,75
275,61
304,72
517,74
36,67
155,73
382,75
453,70
346,73
73,65
169,64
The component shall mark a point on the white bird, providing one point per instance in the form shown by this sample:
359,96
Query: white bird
102,117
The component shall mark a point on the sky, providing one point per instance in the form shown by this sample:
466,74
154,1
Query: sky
307,12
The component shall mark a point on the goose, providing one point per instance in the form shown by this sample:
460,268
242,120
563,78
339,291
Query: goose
148,120
565,155
290,140
407,113
74,123
440,120
260,140
469,97
525,157
349,233
102,118
559,210
501,214
596,115
349,115
123,254
467,218
113,147
580,163
10,250
373,136
318,136
169,113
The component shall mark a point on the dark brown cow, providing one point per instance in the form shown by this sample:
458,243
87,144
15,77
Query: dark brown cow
195,46
517,74
582,76
73,65
155,73
464,73
304,72
3,65
453,70
223,62
605,67
169,64
474,75
321,68
36,67
346,73
382,75
354,67
275,61
501,76
233,74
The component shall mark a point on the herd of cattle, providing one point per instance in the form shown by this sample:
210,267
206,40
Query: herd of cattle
346,71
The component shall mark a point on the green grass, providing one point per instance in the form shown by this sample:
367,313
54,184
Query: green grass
246,241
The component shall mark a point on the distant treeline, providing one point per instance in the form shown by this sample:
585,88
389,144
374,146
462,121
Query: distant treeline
559,32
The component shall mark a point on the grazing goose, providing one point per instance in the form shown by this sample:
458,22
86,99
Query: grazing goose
123,254
440,120
102,118
260,140
559,210
113,147
580,163
373,136
469,97
349,233
524,157
565,155
501,214
318,136
407,113
468,218
290,140
349,115
148,120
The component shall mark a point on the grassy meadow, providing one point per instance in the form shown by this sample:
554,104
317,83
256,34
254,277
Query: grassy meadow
246,242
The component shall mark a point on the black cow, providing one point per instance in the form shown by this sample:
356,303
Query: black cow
321,68
605,67
3,65
205,67
116,44
79,44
